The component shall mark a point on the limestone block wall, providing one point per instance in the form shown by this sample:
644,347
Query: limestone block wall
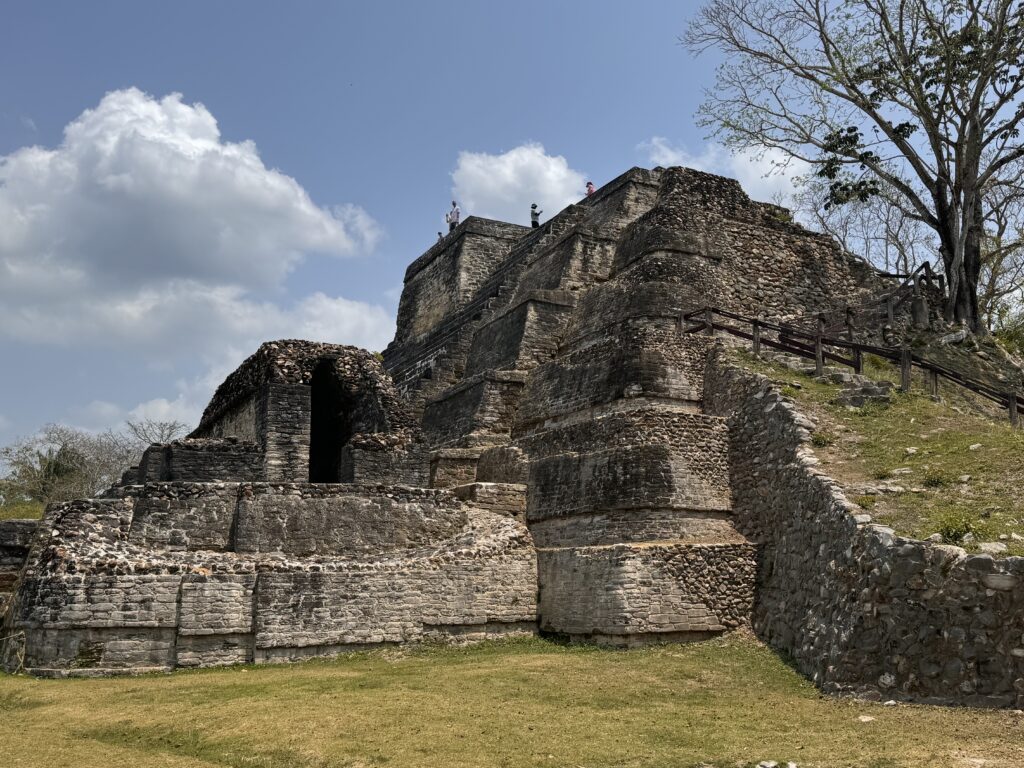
238,421
583,257
183,516
311,570
568,252
752,257
15,538
447,275
645,363
284,423
523,336
625,595
304,519
478,411
202,460
409,465
856,607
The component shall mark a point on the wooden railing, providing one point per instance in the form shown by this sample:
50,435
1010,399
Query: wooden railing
886,306
823,348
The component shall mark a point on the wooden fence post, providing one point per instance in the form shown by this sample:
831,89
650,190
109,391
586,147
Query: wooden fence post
890,310
1014,414
756,334
906,362
819,350
933,383
858,361
709,325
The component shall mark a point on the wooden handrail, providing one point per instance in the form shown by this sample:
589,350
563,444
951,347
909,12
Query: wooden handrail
703,320
892,300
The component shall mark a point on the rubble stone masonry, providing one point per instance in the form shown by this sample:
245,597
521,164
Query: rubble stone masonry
541,448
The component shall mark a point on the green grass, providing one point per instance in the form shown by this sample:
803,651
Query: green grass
21,509
869,446
727,702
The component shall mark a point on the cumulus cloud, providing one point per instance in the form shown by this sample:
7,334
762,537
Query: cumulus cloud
144,224
143,190
146,230
764,176
503,186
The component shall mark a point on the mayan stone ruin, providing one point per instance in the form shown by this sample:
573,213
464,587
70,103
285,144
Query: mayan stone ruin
541,448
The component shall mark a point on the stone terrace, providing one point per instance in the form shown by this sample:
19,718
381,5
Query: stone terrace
541,449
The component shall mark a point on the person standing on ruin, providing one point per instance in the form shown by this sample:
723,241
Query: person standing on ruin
590,188
535,216
452,217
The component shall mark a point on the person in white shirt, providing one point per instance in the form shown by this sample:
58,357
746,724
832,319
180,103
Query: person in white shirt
452,217
535,216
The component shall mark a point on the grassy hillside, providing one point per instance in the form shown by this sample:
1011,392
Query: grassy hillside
21,510
530,703
953,467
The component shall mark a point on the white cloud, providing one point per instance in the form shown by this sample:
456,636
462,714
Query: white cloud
141,191
503,186
318,317
145,226
766,176
144,230
97,415
4,423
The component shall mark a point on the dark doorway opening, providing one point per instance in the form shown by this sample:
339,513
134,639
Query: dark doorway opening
330,425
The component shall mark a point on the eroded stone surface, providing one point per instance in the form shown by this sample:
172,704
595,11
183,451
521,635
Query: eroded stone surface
543,446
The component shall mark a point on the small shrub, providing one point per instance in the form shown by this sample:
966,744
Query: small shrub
882,474
935,479
954,526
788,391
822,439
866,501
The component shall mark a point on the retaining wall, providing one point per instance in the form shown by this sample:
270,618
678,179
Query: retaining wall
858,608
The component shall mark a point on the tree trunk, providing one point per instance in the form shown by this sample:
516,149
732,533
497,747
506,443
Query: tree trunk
962,301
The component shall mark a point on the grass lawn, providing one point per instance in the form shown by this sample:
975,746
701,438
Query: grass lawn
725,702
924,449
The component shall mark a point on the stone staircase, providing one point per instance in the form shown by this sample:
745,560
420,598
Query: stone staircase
584,397
857,390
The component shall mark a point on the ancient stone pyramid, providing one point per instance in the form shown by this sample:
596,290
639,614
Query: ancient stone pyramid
533,452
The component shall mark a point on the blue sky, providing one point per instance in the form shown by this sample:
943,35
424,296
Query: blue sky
152,240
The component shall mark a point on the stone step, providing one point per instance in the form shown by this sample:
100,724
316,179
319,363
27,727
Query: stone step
478,411
695,433
633,594
624,526
657,476
654,363
506,499
523,336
